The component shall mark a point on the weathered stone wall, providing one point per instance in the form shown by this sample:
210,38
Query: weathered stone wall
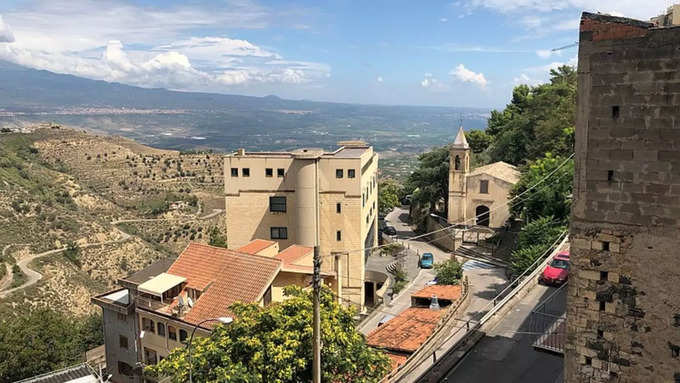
623,315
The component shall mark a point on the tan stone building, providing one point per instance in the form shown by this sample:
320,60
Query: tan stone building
670,18
308,197
479,197
623,305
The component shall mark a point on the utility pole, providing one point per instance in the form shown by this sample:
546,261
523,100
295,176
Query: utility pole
316,367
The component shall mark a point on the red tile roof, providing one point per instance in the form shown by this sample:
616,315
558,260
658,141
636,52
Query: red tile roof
255,246
293,253
224,276
407,331
448,292
396,359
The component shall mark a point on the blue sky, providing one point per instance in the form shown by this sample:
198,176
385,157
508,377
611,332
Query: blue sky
460,53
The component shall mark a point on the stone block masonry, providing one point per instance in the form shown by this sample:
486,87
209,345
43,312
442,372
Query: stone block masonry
623,314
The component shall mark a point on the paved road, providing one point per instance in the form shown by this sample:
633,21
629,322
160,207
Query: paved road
506,355
485,280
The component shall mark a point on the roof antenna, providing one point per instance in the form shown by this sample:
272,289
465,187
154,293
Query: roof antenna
460,119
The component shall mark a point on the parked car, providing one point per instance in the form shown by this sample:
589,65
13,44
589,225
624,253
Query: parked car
557,271
426,261
390,230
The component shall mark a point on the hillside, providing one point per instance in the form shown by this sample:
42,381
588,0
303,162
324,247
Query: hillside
114,204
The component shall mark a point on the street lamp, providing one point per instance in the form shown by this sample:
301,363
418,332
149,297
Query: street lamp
223,320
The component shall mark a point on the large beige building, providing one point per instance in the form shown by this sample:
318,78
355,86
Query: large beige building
308,197
479,197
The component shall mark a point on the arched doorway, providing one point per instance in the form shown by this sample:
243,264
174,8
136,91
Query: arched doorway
482,214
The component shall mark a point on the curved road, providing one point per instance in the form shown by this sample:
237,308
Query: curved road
34,276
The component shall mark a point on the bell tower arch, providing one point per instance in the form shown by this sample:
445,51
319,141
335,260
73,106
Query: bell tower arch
459,167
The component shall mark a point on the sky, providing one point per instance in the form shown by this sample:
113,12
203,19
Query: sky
468,53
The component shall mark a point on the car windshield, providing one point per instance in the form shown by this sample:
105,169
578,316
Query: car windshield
559,263
427,257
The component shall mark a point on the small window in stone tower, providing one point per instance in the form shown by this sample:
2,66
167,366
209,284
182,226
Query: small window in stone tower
484,187
616,111
457,163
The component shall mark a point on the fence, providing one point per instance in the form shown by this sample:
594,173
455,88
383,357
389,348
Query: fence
548,322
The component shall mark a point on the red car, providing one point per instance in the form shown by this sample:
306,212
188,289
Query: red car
557,271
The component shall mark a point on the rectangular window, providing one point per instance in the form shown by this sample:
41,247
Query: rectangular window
182,335
150,356
280,172
121,317
160,328
338,235
148,325
339,173
279,233
351,173
234,172
269,172
245,172
172,332
484,187
277,204
122,341
338,207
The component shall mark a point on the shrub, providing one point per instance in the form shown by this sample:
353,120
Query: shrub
449,272
72,253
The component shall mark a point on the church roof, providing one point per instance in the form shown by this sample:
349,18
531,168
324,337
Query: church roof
460,142
501,170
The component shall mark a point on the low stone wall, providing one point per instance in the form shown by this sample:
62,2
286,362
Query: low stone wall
444,239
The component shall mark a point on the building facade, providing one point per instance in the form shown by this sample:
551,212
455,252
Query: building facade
157,308
479,197
306,197
623,312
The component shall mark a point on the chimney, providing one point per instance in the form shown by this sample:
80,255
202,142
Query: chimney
434,303
241,152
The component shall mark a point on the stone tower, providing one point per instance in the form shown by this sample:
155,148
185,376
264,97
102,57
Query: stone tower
459,167
623,306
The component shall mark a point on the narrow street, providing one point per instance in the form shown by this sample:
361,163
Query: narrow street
485,280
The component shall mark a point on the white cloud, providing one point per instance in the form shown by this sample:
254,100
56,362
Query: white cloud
541,74
631,8
443,19
428,81
379,79
465,75
87,37
6,35
548,53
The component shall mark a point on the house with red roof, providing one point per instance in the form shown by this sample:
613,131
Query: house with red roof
158,307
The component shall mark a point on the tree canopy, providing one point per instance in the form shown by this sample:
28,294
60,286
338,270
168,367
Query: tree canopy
538,120
552,197
449,272
431,178
388,195
45,340
274,344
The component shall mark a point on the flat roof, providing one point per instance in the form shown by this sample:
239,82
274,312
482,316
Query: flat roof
121,297
161,283
149,272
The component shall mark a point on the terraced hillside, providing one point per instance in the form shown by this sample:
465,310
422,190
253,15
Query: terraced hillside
79,211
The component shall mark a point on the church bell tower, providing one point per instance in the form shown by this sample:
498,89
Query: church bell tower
459,167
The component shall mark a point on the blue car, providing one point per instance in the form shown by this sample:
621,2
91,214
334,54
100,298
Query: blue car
426,261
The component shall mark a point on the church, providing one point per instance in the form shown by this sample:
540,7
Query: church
478,197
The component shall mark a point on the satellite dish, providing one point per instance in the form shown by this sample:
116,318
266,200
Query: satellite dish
180,301
190,302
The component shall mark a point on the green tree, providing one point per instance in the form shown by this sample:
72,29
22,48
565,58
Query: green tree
388,195
538,120
431,177
534,240
479,140
448,272
549,198
44,340
217,239
274,344
72,253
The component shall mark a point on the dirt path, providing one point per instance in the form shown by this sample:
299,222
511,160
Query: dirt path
33,276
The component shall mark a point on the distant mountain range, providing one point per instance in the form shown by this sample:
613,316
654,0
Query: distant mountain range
220,121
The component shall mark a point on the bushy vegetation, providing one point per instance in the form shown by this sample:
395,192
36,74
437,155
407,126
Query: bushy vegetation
45,340
448,272
388,195
18,277
72,253
274,344
535,239
400,278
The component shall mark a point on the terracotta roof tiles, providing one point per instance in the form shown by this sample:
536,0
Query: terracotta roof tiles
448,292
255,246
407,331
